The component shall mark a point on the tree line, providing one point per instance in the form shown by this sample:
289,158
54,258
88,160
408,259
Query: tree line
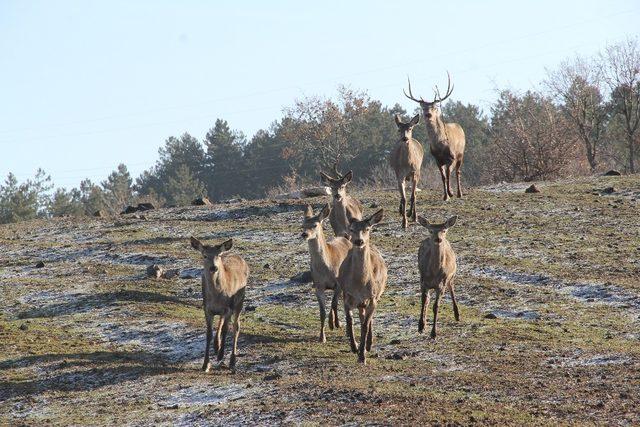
585,118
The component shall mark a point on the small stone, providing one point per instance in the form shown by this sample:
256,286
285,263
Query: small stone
145,206
271,377
250,308
532,189
490,316
612,172
304,277
40,264
609,190
24,327
373,205
99,214
201,201
128,210
154,271
395,341
170,274
267,266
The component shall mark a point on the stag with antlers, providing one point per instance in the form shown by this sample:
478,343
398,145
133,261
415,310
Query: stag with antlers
447,140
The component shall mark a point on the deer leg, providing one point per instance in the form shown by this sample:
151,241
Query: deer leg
413,214
333,314
365,330
216,343
436,303
321,302
370,334
403,202
349,319
456,313
426,296
458,173
444,182
448,174
236,334
209,320
223,337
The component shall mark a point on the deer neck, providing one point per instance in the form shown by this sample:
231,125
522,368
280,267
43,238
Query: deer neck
437,130
340,209
220,278
318,249
361,262
438,250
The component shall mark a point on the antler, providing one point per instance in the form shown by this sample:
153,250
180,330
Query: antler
447,94
410,96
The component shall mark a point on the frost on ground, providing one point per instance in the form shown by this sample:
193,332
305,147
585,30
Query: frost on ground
548,292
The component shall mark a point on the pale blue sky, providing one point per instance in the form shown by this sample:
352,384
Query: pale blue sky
86,85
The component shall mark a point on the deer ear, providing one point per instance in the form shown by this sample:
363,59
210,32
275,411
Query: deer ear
308,212
196,244
423,221
347,177
451,221
325,212
376,217
225,246
396,117
415,120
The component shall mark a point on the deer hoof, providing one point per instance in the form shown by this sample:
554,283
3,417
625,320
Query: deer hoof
362,359
421,327
207,368
433,335
322,338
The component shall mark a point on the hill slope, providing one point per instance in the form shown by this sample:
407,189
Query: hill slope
548,286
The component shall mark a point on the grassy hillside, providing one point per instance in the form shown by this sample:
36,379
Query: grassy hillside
548,285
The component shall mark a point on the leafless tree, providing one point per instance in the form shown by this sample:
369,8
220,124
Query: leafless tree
620,67
578,84
529,138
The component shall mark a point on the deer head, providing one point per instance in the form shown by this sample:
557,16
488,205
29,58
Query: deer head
430,108
438,231
406,129
361,230
338,185
211,254
312,224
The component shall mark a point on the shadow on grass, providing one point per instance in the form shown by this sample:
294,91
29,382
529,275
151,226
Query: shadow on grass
84,303
83,371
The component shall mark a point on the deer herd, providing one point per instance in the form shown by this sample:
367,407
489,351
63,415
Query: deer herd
349,264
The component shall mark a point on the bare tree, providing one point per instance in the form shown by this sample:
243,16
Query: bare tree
529,138
620,67
577,84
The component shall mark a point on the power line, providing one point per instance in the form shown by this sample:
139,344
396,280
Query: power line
358,73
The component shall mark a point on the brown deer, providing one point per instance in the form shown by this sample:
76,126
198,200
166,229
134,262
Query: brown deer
362,278
437,264
224,278
447,140
344,207
406,161
326,258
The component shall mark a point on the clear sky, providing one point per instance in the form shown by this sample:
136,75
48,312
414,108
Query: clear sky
85,85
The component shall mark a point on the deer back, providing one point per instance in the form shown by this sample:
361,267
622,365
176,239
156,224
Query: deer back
363,275
406,158
436,263
229,279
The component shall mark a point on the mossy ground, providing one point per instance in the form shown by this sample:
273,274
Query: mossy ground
89,340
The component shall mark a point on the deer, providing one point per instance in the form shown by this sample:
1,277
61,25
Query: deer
344,207
224,279
406,161
326,258
447,140
362,278
437,265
